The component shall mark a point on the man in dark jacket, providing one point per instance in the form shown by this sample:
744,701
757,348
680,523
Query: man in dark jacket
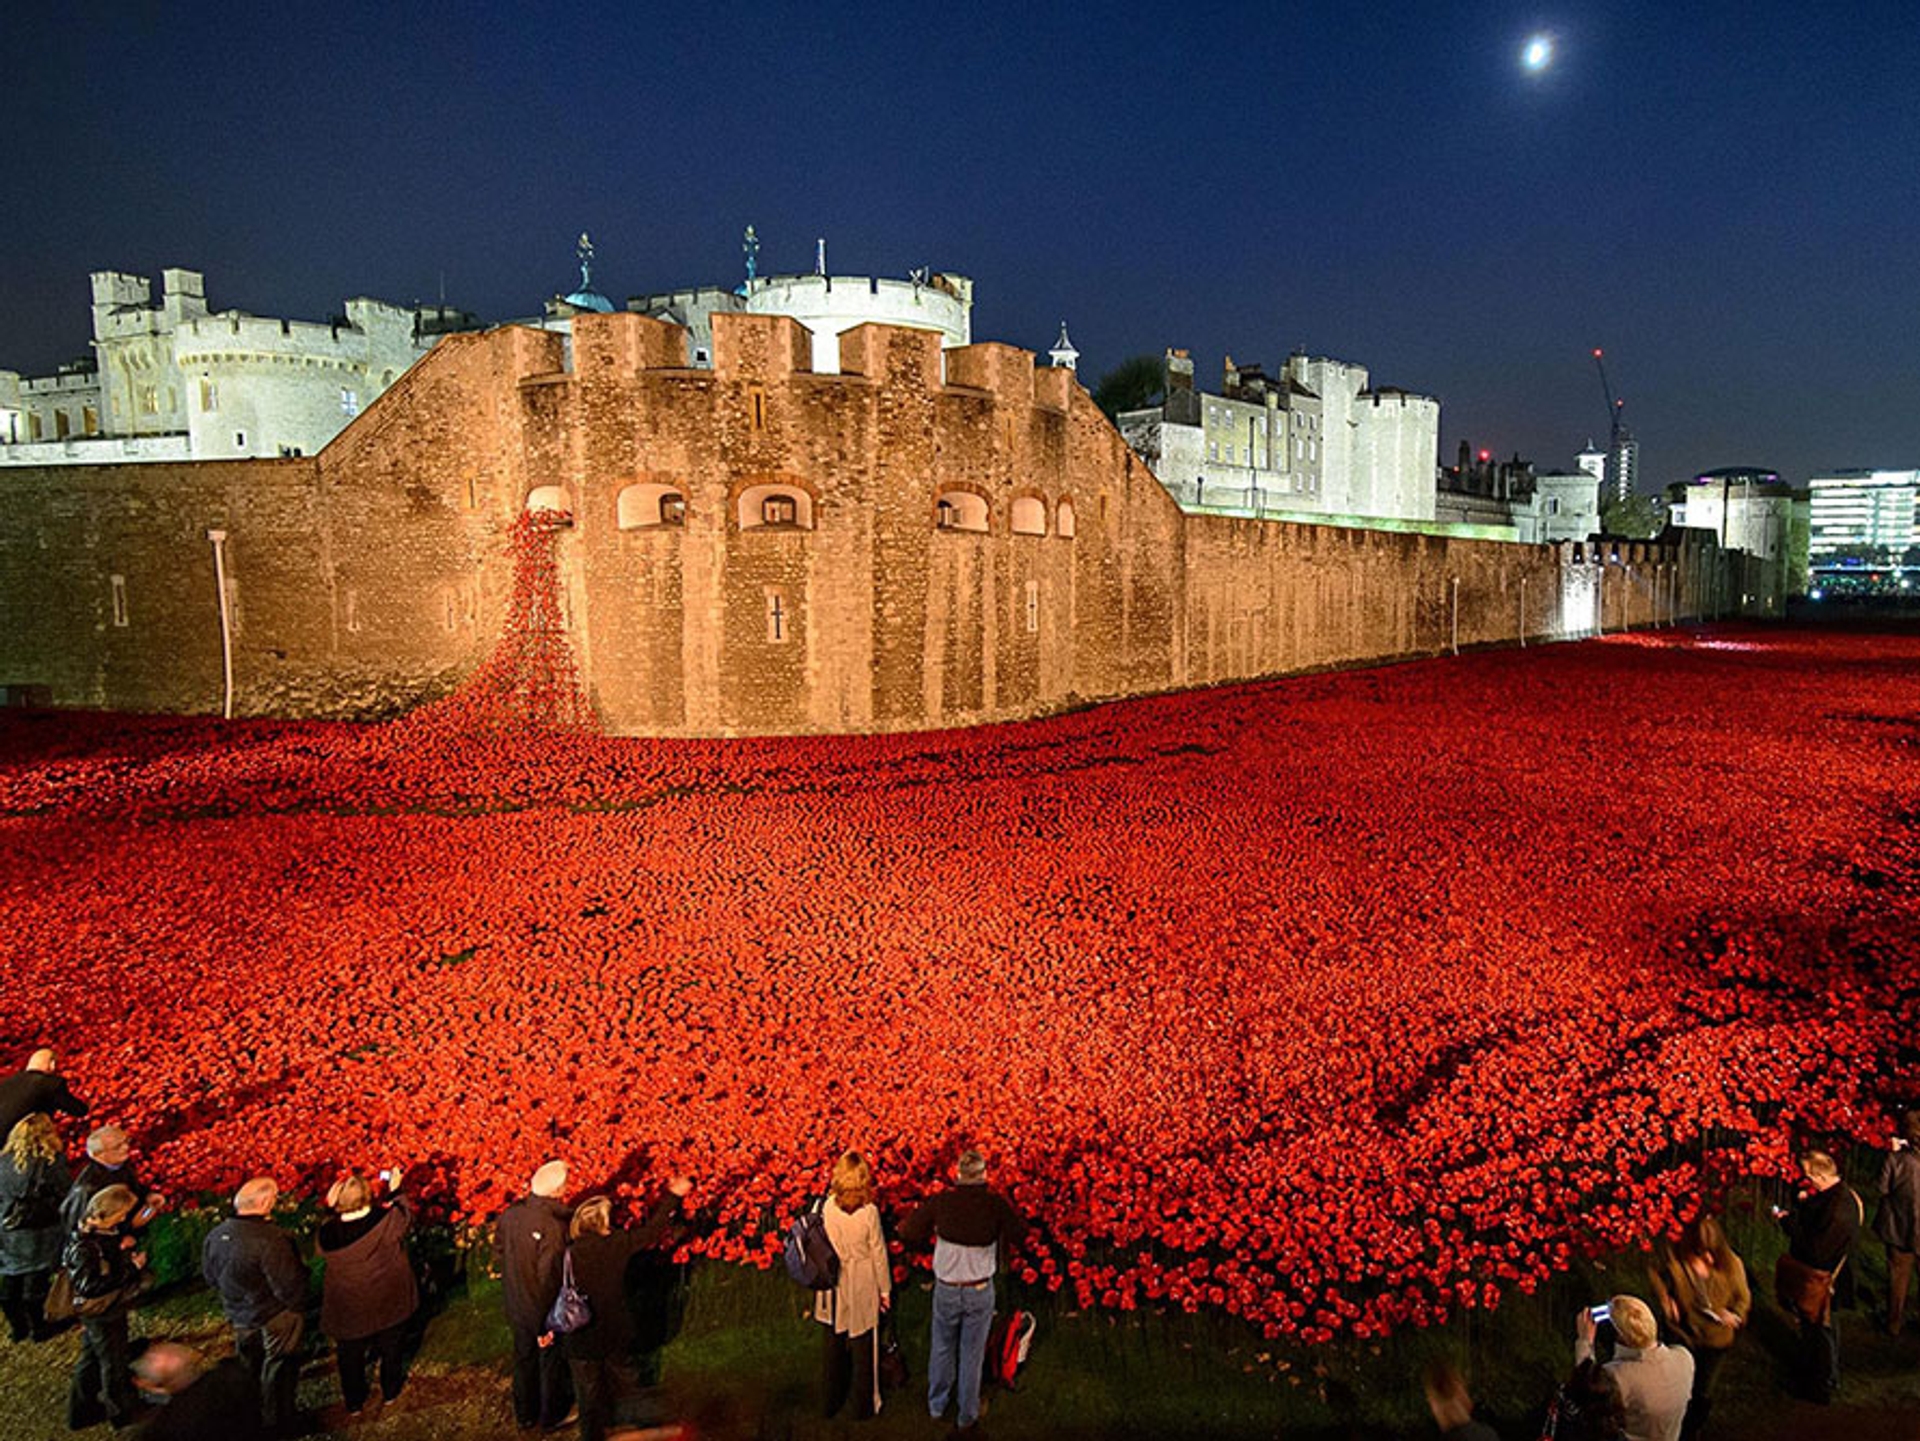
529,1243
109,1163
971,1227
39,1087
1820,1230
193,1401
262,1286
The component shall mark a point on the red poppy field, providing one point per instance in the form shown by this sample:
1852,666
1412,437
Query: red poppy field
1336,1003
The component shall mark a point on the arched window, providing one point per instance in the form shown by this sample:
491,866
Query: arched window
649,505
1063,518
960,510
1029,515
774,507
549,497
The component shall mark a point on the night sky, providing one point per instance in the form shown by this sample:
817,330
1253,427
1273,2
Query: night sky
1724,196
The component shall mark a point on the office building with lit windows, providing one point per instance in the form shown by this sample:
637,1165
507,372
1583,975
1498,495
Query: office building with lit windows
1869,516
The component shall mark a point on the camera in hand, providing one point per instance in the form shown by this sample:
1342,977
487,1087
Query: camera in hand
1601,1313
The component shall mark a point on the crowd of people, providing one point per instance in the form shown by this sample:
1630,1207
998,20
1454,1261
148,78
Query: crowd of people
72,1250
1658,1383
543,1248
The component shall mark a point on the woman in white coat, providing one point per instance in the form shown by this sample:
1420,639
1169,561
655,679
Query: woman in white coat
851,1310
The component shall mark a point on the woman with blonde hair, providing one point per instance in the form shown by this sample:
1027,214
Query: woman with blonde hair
369,1292
851,1310
33,1179
600,1353
106,1272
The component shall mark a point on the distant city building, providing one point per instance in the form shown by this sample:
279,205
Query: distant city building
1313,439
172,380
1871,516
1623,465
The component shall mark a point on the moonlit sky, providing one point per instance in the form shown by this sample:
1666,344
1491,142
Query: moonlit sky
1724,196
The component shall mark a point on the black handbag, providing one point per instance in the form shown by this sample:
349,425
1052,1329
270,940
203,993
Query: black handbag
892,1368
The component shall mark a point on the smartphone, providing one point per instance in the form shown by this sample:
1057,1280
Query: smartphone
1600,1313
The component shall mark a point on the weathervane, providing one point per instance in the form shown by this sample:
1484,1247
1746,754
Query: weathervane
586,262
918,277
751,245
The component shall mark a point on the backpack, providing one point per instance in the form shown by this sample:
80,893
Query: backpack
1008,1342
811,1259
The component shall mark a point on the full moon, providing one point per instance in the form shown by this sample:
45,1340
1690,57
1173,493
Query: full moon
1538,53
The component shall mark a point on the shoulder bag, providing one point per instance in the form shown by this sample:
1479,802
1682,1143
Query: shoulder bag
570,1310
1806,1292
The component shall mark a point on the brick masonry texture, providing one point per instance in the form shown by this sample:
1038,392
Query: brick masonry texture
373,576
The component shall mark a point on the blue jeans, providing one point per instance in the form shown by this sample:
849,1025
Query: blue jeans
960,1321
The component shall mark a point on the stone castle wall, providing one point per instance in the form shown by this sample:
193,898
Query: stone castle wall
373,575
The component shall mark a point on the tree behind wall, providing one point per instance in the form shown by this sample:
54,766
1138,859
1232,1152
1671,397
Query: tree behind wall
1638,517
1133,384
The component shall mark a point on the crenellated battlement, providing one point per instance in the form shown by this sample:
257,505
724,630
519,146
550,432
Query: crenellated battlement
770,350
830,305
235,333
1395,399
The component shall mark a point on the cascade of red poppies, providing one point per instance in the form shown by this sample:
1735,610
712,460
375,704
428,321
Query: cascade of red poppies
531,682
1337,1004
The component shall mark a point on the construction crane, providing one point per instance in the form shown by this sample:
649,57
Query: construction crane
1614,426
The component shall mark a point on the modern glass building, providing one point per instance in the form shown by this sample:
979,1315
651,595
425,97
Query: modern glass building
1865,515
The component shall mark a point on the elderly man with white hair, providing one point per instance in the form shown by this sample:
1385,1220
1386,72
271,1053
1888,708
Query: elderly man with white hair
1655,1381
109,1163
252,1265
38,1087
529,1243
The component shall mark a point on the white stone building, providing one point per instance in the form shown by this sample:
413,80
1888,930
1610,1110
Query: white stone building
1564,505
57,407
172,380
1314,440
1510,496
1746,509
692,309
